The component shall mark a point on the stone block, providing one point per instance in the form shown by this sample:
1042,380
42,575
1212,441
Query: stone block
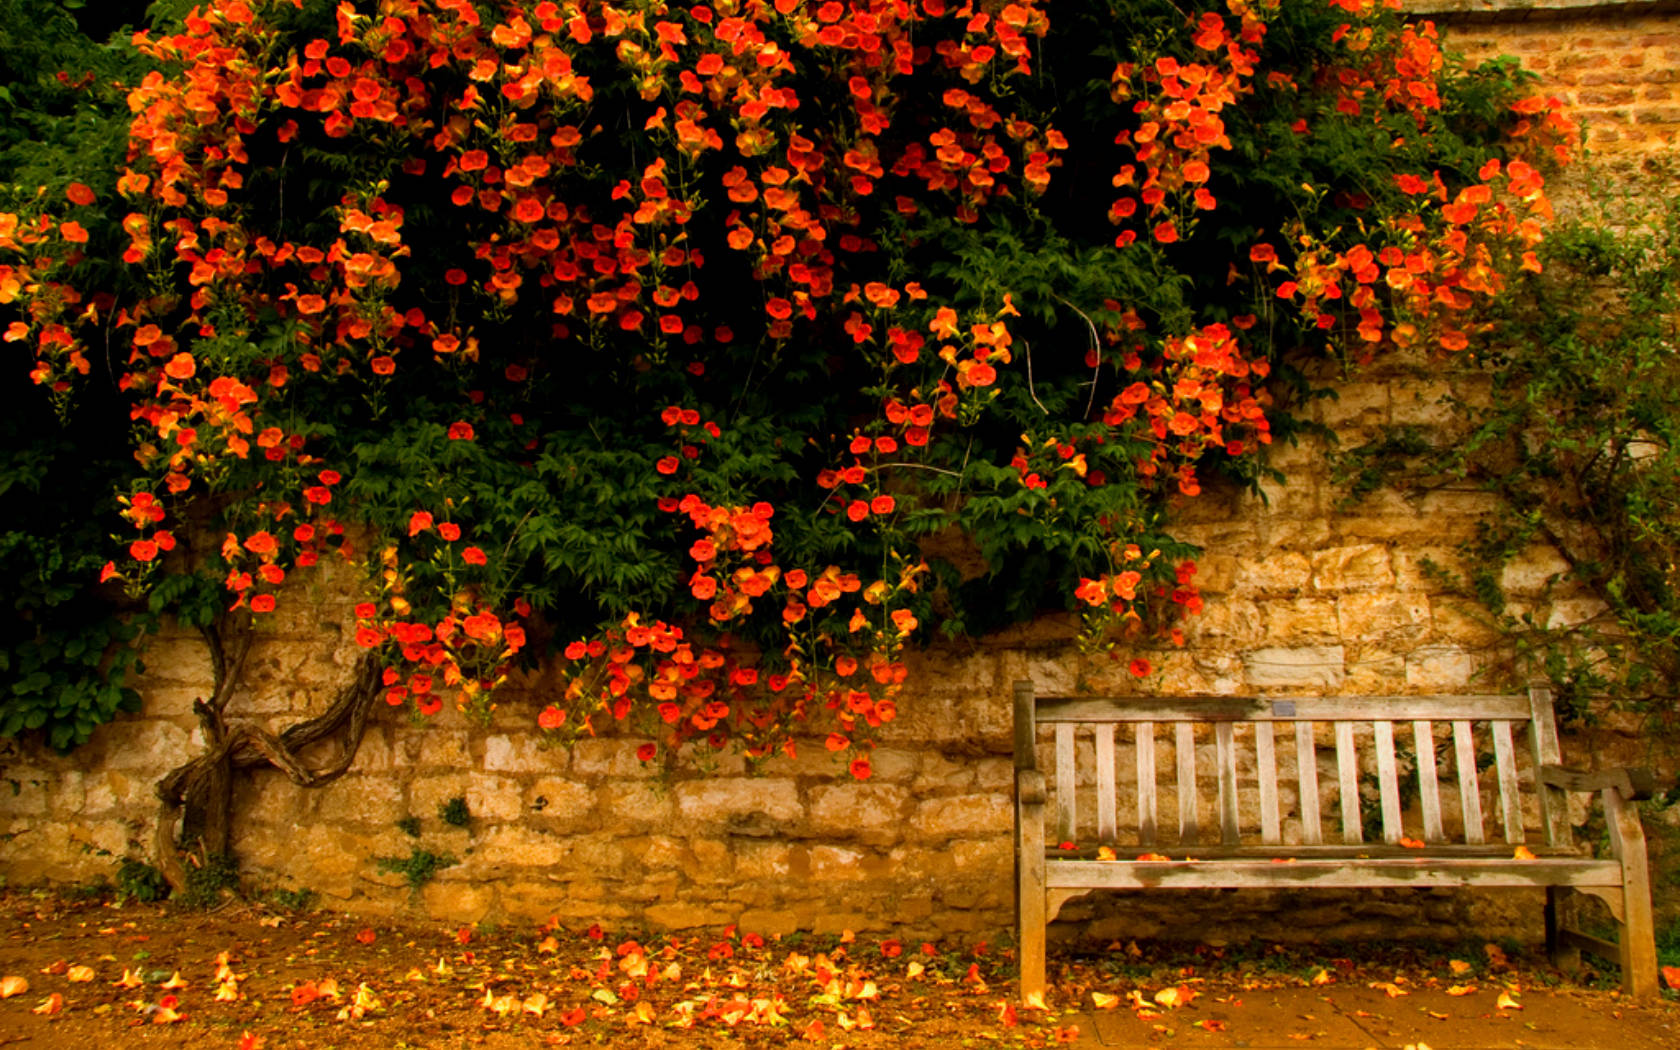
939,818
1227,621
1312,666
610,757
994,774
1419,567
1376,673
1300,620
678,915
1439,668
427,792
1364,566
521,754
762,806
561,804
849,809
1423,403
519,847
1389,616
458,901
658,851
1355,404
148,744
373,754
375,801
1299,497
181,659
1216,572
1572,612
762,860
839,864
943,774
1532,571
988,857
1279,572
769,922
598,856
437,746
637,806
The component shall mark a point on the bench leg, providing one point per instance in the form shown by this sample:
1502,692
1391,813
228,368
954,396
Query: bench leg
1563,912
1636,934
1029,900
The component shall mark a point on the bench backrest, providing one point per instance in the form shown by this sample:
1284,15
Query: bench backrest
1261,743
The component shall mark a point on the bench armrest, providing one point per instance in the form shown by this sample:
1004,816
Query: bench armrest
1029,787
1634,784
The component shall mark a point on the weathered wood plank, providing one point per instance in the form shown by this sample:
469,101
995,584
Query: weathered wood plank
1145,744
1300,709
1510,793
1224,736
1265,763
1106,805
1362,850
1635,783
1429,780
1543,739
1306,773
1345,873
1029,880
1026,731
1388,779
1636,932
1184,745
1469,785
1347,772
1067,811
1609,951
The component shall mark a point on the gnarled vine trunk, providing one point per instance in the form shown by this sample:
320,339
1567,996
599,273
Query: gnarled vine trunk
199,794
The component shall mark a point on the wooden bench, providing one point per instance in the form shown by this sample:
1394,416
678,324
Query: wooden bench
1266,752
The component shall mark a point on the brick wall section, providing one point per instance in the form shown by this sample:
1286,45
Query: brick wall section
1303,595
1616,65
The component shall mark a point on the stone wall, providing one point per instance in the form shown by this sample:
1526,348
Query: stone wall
1303,594
1616,65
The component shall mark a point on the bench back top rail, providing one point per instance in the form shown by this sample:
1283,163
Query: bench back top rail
1260,744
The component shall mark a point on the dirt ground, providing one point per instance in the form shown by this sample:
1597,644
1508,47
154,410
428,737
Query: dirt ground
102,974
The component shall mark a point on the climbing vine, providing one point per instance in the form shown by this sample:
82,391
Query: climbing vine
720,352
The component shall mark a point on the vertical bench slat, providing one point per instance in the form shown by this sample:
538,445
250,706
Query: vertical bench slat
1542,731
1185,745
1066,811
1347,770
1265,762
1388,780
1105,782
1510,800
1224,735
1306,774
1429,780
1469,789
1145,743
